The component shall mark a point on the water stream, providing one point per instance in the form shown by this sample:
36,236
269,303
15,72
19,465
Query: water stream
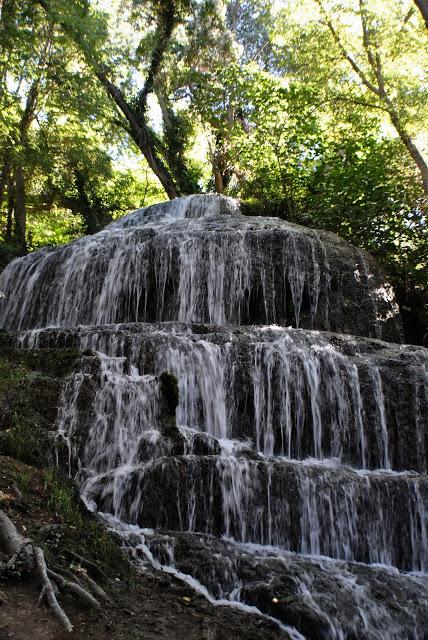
292,477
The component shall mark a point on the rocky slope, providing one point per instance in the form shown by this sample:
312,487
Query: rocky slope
274,466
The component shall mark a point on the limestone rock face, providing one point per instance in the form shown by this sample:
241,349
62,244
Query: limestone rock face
293,393
198,259
274,466
319,596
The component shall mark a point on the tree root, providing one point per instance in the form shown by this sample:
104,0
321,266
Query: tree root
96,589
52,582
57,610
14,543
41,596
80,575
76,589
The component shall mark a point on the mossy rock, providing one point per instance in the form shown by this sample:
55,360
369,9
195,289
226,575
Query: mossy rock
30,386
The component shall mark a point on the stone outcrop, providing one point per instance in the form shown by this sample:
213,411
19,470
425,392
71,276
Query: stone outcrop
275,466
199,260
321,597
294,393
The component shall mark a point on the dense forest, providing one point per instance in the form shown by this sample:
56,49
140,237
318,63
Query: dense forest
312,110
214,319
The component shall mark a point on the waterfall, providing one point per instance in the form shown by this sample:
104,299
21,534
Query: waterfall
293,472
174,262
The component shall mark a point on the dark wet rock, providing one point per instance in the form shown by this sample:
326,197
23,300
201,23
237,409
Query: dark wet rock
168,402
295,393
169,390
165,264
321,598
370,518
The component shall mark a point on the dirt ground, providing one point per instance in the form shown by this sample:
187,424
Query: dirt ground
148,606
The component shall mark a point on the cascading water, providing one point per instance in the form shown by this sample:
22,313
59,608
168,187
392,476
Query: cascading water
199,260
294,470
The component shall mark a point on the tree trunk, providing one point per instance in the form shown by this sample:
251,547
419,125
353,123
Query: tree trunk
175,142
411,148
218,180
418,158
19,204
84,204
423,8
4,179
20,209
142,137
10,207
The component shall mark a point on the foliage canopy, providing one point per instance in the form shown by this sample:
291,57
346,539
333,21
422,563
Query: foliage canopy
314,110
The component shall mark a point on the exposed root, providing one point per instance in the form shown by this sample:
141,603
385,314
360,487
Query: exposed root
84,595
41,596
42,570
16,556
14,543
95,588
34,561
79,575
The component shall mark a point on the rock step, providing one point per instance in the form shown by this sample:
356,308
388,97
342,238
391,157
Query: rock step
322,598
165,264
292,392
305,507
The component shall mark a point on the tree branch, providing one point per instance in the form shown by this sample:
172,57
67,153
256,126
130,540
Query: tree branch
367,35
167,20
374,60
344,52
423,8
362,103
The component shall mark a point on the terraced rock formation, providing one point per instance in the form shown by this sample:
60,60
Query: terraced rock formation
276,466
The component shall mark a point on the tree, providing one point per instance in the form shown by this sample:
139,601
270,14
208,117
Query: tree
56,136
78,21
374,76
366,62
30,53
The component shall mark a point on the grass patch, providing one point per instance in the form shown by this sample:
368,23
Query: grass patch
19,440
23,480
82,532
11,373
60,497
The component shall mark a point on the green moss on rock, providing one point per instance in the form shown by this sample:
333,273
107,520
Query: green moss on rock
30,386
